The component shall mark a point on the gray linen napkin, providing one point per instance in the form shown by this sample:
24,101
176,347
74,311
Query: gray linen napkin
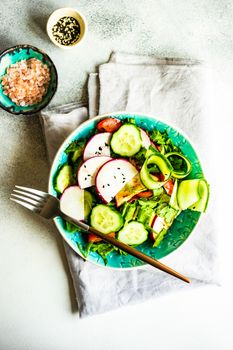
168,88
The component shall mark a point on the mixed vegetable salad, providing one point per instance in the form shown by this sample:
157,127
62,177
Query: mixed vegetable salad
127,182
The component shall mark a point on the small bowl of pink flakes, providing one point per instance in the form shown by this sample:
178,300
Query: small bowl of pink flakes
28,79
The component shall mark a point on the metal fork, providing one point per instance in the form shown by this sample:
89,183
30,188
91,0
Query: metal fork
48,207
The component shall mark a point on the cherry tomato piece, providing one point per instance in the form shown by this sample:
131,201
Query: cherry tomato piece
109,125
93,238
145,194
168,186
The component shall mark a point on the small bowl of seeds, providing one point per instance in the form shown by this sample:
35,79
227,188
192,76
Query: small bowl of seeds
66,27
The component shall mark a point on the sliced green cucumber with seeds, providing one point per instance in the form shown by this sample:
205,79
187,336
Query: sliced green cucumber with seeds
133,233
127,140
63,179
105,219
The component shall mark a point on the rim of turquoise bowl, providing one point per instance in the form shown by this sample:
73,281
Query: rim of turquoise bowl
25,46
53,168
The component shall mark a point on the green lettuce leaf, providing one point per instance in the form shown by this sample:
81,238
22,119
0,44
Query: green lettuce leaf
168,213
139,158
160,237
75,150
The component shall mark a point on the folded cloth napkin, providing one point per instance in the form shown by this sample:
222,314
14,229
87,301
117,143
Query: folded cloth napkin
172,90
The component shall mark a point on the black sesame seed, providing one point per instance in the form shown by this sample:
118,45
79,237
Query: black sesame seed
66,31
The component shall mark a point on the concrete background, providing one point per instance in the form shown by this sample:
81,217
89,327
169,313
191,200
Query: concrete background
37,309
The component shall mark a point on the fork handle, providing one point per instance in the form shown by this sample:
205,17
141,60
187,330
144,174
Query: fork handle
126,248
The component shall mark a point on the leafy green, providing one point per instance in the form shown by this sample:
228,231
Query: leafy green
113,154
159,137
103,249
88,249
145,215
75,146
168,213
75,151
155,201
75,166
178,163
81,248
129,214
160,237
139,158
162,139
95,198
168,147
153,169
131,121
70,227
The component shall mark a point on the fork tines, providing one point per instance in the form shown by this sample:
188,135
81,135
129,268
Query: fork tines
28,197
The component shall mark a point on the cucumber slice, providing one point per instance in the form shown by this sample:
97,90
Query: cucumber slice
150,181
188,193
105,219
126,141
63,179
133,233
202,203
179,174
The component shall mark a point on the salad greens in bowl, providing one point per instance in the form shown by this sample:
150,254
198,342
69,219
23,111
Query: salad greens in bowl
131,176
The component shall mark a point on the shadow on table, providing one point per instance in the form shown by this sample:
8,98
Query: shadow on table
38,17
28,167
5,43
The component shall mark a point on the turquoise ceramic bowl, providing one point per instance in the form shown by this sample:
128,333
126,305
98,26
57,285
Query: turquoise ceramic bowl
183,224
24,52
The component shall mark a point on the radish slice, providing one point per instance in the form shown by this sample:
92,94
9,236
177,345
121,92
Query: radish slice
146,141
113,176
158,224
98,145
88,170
72,202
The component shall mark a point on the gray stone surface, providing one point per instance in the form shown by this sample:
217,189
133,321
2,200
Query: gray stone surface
35,292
